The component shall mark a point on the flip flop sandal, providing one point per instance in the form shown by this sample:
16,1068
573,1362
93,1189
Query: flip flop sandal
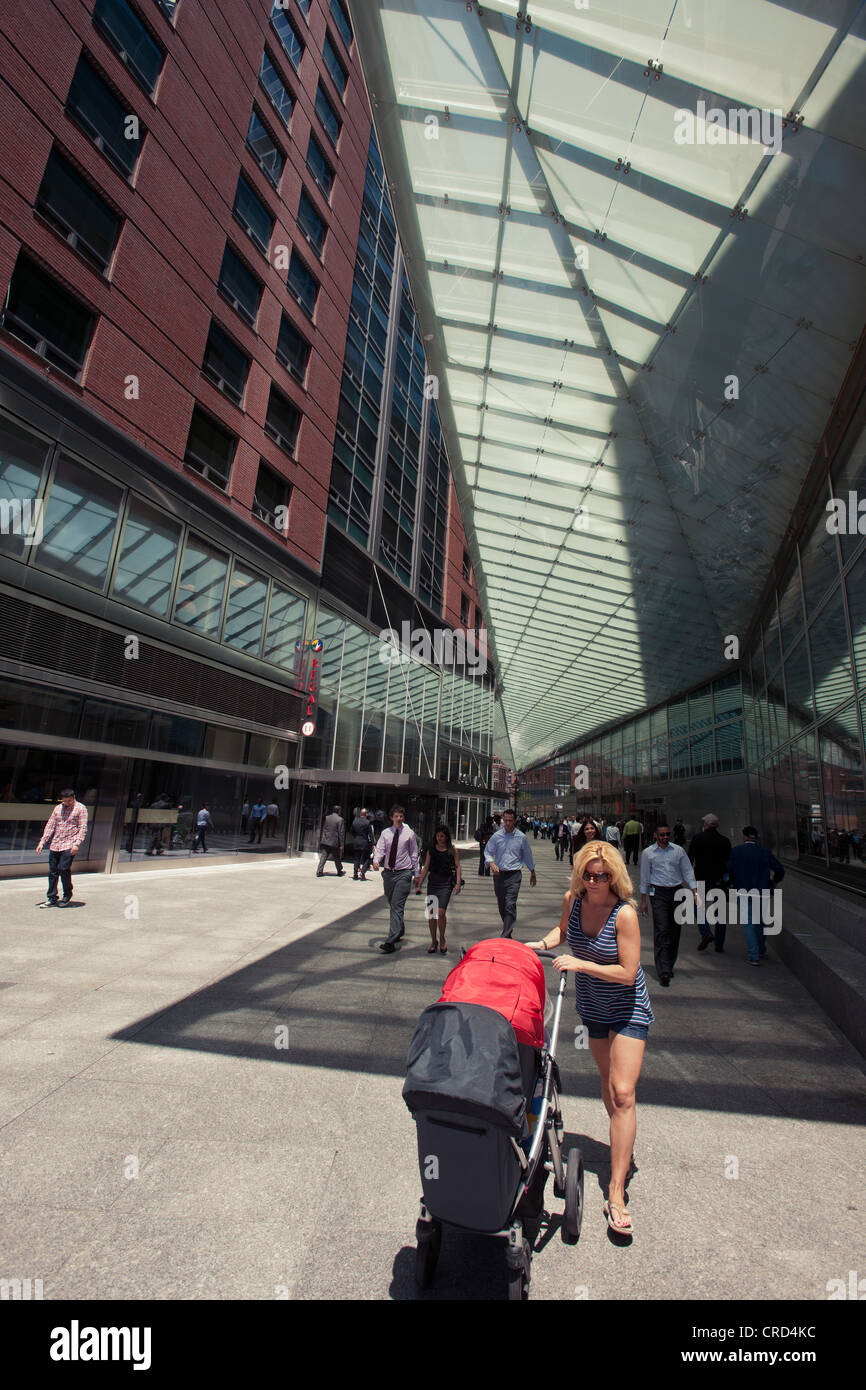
614,1210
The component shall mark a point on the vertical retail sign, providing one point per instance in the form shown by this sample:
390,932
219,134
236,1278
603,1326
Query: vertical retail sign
311,686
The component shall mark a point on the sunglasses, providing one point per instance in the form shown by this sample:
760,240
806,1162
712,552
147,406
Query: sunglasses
596,878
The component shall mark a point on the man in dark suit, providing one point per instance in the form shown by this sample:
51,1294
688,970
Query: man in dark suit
362,830
709,852
332,842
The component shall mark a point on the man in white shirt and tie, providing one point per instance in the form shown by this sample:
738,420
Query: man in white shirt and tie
398,849
663,868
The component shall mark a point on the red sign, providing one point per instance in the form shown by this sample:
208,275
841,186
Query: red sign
309,725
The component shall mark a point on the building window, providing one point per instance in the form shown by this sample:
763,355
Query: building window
293,350
210,449
281,98
131,41
304,7
113,129
145,565
479,622
271,502
334,66
169,8
252,214
341,20
201,588
245,609
467,570
312,225
68,202
239,286
80,522
268,156
328,116
302,285
282,422
47,318
319,167
225,365
288,35
464,609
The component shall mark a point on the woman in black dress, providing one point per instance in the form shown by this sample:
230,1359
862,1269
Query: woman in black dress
442,864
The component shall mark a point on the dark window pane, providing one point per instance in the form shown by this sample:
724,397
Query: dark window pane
239,286
282,421
145,565
202,583
22,460
304,7
40,710
209,448
253,216
114,130
45,316
831,662
283,101
106,723
328,116
334,66
169,733
271,502
224,364
302,285
168,7
288,35
341,20
269,157
285,628
70,204
311,224
245,611
293,350
820,564
320,168
130,40
79,525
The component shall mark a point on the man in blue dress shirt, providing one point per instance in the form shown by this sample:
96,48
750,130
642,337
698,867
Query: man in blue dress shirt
663,867
506,852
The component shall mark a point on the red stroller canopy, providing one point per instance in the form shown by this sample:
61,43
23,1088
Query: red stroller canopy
506,976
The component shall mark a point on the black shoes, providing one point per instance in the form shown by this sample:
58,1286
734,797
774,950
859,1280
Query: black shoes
319,874
65,902
664,980
704,942
387,947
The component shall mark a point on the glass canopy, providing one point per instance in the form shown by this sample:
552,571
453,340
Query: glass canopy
634,239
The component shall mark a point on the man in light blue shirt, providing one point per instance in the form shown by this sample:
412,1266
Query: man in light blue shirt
663,867
506,852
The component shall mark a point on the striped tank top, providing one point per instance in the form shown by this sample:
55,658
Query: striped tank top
604,1001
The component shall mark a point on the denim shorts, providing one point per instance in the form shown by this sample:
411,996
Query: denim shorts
626,1030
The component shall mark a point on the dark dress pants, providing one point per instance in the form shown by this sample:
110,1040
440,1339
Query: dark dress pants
363,855
324,852
506,885
631,845
483,867
59,866
396,883
666,931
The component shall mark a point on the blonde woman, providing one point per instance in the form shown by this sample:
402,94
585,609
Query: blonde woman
601,926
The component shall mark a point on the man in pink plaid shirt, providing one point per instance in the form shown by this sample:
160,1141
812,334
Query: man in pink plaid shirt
66,829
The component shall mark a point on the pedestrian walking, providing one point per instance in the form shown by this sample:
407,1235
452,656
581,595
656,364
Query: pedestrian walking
631,833
663,868
203,824
751,866
258,816
506,852
397,850
709,852
678,833
562,839
272,821
64,834
364,840
482,835
441,869
245,815
587,830
601,926
613,837
332,842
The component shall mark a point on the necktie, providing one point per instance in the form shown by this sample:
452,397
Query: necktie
392,857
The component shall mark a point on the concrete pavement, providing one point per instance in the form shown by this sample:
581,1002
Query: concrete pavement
200,1078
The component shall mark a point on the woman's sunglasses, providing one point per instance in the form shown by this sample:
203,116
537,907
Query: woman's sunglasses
596,878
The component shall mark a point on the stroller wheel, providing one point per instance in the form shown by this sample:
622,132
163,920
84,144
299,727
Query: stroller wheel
574,1194
427,1255
518,1278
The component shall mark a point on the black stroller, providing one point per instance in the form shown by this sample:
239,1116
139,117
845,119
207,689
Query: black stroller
483,1087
